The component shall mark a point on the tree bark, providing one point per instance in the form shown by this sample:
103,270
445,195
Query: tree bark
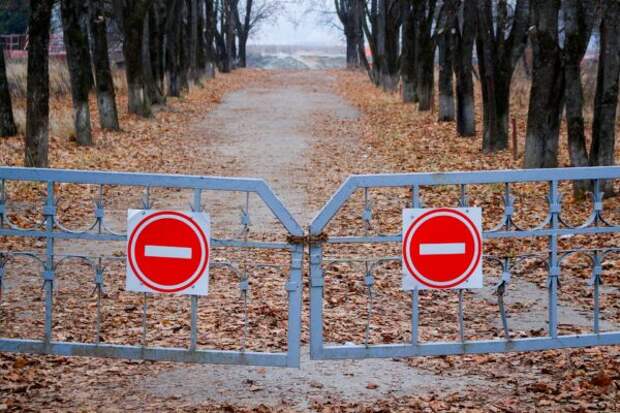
7,122
37,111
211,23
445,60
173,40
388,33
465,33
201,56
425,53
606,97
407,58
78,60
498,53
547,89
104,83
155,95
132,14
193,40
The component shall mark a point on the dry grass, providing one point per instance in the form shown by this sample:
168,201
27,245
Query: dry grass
60,82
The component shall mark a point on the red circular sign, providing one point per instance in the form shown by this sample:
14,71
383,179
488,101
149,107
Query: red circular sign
442,248
168,251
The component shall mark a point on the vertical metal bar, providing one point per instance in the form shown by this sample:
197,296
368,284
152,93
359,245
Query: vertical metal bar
414,316
194,321
294,306
553,260
461,315
98,320
316,301
144,320
415,293
597,306
596,281
49,264
196,207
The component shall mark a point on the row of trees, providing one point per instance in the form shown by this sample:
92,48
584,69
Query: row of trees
167,45
407,37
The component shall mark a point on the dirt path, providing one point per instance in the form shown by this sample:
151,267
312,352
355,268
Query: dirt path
269,132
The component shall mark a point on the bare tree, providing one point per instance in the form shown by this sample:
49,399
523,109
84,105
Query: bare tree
104,83
7,122
388,43
547,89
579,21
602,151
350,13
210,33
37,111
464,29
407,57
445,61
500,43
78,60
423,15
131,14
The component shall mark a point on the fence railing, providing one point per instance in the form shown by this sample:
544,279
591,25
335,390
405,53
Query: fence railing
49,260
552,227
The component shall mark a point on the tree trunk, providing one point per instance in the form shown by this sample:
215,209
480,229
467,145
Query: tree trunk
606,97
498,54
78,60
577,149
547,89
388,44
193,39
132,14
425,54
464,39
446,90
210,26
7,123
173,40
151,87
201,57
352,50
243,42
407,58
37,112
104,83
184,47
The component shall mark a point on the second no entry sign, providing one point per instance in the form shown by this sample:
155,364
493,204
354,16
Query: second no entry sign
168,252
442,248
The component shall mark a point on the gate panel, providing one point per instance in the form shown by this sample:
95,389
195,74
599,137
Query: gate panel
48,258
554,228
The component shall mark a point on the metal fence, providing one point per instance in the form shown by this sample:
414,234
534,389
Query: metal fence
552,227
51,230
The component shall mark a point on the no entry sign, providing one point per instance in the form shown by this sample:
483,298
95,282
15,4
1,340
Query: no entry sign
442,248
168,252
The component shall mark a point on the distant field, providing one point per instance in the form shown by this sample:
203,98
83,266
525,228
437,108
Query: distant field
296,57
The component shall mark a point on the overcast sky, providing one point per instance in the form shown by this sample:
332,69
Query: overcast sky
295,25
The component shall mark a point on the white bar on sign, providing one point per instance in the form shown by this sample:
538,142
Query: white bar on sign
167,252
442,249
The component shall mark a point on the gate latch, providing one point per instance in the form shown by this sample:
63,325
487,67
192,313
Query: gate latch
307,239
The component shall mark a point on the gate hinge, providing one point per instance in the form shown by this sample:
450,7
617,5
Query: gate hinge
307,239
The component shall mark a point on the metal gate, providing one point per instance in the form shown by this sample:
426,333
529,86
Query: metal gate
553,226
50,230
